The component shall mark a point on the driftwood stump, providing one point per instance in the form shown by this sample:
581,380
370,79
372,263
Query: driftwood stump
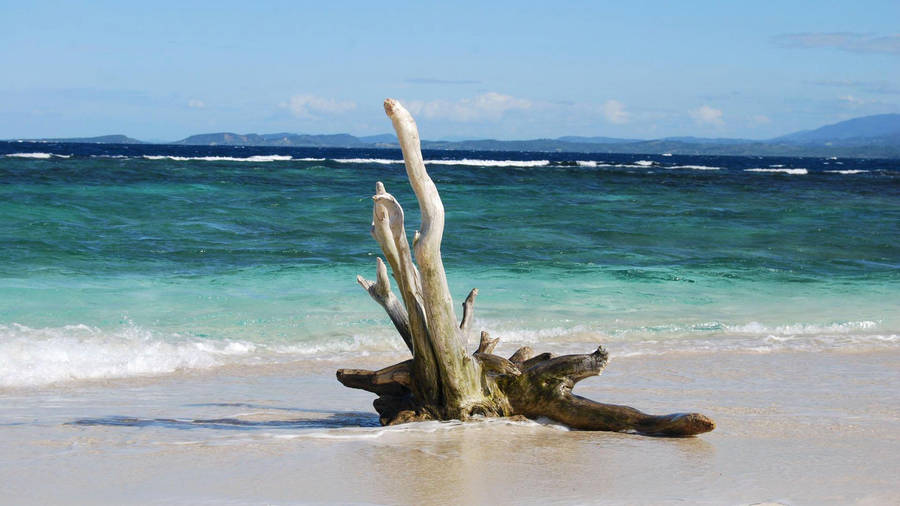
443,381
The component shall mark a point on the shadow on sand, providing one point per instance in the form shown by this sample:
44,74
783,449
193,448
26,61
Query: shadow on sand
333,420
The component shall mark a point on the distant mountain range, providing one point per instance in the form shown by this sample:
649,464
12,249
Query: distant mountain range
279,139
882,129
103,139
867,137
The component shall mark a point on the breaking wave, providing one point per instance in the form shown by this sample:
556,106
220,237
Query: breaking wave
796,172
42,156
43,356
694,167
463,161
32,357
712,336
257,158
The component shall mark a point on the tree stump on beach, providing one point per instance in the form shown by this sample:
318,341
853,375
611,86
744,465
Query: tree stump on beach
443,381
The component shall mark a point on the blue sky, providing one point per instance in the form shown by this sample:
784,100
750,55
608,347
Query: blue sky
510,70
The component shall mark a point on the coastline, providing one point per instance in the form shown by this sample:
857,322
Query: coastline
793,428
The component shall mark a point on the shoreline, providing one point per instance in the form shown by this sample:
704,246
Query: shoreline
328,365
793,428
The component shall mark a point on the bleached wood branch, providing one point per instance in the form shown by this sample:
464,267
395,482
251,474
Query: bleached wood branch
468,313
380,290
486,344
459,375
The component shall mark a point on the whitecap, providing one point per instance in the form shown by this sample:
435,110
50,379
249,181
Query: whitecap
796,172
382,161
41,156
491,163
848,171
463,161
255,158
694,167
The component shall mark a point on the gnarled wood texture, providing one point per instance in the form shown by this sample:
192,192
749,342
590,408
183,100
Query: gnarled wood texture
442,381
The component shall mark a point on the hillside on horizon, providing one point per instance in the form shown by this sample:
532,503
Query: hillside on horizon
876,136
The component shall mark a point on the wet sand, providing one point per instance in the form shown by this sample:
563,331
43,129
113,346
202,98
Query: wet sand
793,428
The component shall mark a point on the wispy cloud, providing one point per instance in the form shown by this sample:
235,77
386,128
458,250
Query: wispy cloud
882,87
706,115
844,41
863,105
311,106
196,104
850,99
427,80
614,112
487,106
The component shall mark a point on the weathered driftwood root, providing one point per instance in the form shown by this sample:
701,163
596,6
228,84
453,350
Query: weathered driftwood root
442,381
535,386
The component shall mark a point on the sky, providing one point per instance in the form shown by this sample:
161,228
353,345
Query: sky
164,70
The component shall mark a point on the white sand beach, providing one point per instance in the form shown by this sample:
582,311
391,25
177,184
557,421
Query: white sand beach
793,428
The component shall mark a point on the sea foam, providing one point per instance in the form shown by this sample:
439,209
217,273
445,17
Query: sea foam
40,356
463,161
255,158
796,172
31,357
43,356
848,171
694,167
42,156
703,337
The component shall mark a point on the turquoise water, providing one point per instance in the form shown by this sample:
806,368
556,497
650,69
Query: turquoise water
134,265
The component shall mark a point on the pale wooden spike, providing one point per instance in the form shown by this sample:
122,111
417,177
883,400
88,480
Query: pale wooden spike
487,344
382,282
468,313
380,291
458,374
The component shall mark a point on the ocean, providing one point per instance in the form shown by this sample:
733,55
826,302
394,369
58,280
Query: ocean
171,318
147,260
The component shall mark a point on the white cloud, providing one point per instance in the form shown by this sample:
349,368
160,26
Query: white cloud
487,106
196,104
850,99
310,106
760,119
706,115
614,112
